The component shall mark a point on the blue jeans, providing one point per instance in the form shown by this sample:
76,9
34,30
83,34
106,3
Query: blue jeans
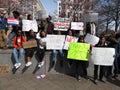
54,54
11,37
18,54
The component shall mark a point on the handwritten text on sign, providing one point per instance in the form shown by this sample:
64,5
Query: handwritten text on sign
91,39
61,24
68,40
77,25
78,51
55,41
30,24
30,44
103,56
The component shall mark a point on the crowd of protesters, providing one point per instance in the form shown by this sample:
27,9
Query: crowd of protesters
45,26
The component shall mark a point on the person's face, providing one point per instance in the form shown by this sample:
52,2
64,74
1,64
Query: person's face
31,18
82,40
43,33
32,33
70,33
1,14
103,40
19,32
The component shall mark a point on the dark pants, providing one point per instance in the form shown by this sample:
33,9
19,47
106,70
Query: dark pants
101,72
40,54
81,66
29,52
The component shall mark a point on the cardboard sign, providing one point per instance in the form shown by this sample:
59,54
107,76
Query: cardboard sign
77,25
12,21
103,56
91,39
4,69
30,44
29,24
68,40
78,51
61,24
55,41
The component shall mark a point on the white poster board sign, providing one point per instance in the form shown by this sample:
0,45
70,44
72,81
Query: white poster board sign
68,40
103,56
55,41
29,24
61,24
91,39
77,25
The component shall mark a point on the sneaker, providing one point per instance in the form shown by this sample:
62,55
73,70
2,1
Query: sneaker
78,78
41,64
28,64
17,65
95,81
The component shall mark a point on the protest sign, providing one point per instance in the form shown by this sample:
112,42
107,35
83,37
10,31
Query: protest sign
12,21
91,17
61,24
29,24
78,51
103,56
55,41
4,69
68,40
77,25
30,44
91,39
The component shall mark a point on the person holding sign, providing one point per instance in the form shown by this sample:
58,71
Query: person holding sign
81,64
101,43
54,54
42,48
16,15
18,47
29,52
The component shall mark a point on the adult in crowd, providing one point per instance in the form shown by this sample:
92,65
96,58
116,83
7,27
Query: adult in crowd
3,23
29,52
16,15
49,27
41,48
101,43
81,65
18,47
60,53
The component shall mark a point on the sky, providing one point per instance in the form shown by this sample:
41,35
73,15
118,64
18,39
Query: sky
49,5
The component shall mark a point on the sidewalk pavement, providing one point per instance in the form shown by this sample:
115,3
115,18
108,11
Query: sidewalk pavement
53,82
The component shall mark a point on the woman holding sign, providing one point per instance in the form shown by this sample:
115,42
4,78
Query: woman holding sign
29,52
101,43
81,65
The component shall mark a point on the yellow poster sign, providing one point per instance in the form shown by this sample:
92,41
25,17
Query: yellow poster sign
78,51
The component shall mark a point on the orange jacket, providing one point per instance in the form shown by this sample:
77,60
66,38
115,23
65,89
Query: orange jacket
18,43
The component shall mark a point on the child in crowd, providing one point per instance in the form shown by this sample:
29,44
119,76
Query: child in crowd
18,48
81,65
29,52
42,48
